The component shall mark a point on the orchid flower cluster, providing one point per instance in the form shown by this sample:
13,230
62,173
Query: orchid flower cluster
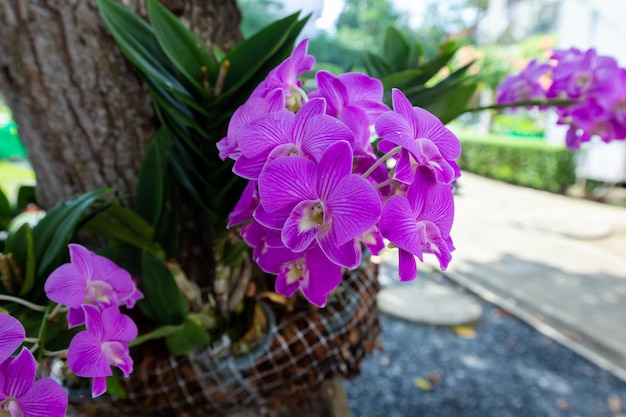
91,288
320,191
595,85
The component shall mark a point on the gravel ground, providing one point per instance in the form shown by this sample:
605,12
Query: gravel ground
505,368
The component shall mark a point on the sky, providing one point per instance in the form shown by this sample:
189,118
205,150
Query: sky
332,8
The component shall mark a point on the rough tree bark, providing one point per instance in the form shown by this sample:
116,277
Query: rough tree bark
84,116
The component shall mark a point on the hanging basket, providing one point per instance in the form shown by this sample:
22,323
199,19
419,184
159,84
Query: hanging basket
302,350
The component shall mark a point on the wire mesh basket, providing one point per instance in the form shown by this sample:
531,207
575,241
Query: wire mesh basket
302,350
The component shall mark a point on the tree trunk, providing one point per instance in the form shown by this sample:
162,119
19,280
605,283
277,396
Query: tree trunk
84,115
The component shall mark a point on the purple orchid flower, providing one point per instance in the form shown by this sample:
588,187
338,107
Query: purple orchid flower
22,396
252,109
307,133
420,222
92,352
523,86
425,141
577,74
324,203
310,271
11,335
355,99
285,77
242,212
90,279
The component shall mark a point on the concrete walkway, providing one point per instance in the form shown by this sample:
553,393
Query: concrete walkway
557,262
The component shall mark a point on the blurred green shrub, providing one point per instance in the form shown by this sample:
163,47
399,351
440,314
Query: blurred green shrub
521,162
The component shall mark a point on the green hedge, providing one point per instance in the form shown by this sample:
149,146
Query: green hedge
529,163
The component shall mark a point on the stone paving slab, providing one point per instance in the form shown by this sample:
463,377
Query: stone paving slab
559,259
423,301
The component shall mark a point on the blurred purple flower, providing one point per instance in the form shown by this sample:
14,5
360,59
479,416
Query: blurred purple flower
103,344
22,396
523,86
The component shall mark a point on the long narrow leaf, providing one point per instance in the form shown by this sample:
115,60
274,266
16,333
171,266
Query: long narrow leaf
149,200
182,47
247,57
52,234
396,48
136,39
165,300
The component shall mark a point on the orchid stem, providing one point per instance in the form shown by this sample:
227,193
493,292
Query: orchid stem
58,353
382,160
384,183
25,303
55,311
42,331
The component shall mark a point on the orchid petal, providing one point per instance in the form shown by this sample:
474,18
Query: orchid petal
393,127
302,225
11,335
403,107
85,357
45,398
334,165
354,207
321,132
285,182
407,266
259,137
19,374
399,226
118,326
324,276
98,386
272,220
313,107
66,286
347,255
333,90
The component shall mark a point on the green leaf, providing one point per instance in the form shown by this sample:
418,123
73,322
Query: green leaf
191,337
182,47
163,302
250,55
6,212
25,196
149,196
396,48
114,387
123,225
136,39
445,102
416,54
432,67
17,245
29,273
401,79
376,65
52,234
158,333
